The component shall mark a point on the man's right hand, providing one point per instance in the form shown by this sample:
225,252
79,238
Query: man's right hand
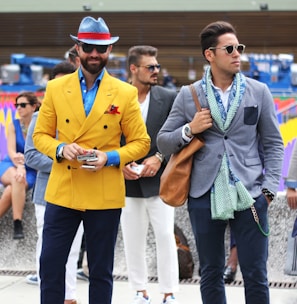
202,121
71,151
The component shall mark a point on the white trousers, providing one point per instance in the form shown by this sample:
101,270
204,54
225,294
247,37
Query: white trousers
135,219
71,266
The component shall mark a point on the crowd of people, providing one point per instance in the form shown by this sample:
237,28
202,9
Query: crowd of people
95,151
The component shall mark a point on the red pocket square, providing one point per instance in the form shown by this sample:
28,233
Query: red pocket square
112,109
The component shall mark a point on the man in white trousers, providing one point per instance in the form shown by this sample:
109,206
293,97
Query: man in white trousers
143,204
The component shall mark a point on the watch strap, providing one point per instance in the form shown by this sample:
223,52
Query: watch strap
268,193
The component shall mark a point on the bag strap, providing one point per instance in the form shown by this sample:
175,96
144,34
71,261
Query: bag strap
195,97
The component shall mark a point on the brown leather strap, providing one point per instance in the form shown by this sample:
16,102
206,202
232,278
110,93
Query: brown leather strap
195,97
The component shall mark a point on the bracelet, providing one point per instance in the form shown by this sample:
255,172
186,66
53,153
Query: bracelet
268,193
159,156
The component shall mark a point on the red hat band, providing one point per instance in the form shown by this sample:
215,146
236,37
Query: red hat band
95,36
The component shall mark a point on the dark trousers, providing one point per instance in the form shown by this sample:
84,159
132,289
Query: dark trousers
232,240
252,248
60,226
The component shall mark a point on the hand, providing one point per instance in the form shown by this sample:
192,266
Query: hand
18,159
152,166
129,173
71,151
20,175
202,120
268,200
99,162
292,198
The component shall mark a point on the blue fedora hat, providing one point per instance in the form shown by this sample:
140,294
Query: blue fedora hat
94,31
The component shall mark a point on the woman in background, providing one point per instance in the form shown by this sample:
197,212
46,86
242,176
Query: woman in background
14,174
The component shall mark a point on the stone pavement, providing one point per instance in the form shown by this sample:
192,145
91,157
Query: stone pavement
18,256
14,290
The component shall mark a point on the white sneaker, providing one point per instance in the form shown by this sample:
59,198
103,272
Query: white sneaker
81,275
140,299
32,279
170,300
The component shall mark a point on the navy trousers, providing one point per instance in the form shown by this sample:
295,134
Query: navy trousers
252,248
60,226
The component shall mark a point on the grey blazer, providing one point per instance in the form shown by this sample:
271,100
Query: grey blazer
38,161
161,101
291,180
254,125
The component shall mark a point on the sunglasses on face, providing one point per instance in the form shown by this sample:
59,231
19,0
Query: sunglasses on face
22,104
152,67
88,48
229,49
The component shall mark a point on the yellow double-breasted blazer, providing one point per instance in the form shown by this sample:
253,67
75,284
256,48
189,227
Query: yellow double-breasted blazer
62,119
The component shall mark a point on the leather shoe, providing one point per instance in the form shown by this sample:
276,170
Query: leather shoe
229,275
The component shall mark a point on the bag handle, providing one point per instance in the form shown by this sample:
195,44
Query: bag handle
195,97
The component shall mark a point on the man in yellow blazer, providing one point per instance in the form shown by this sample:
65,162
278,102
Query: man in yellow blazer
84,113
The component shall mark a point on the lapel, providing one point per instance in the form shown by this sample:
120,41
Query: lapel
104,98
72,92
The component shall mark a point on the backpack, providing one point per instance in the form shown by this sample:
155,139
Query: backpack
185,259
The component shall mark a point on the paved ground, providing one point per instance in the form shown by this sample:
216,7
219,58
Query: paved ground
19,257
14,290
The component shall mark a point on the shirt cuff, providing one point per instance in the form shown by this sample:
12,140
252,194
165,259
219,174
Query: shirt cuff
113,158
291,184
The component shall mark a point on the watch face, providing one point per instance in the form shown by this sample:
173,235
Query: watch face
188,131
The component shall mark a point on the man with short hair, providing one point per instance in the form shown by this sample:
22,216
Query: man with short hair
86,181
236,174
143,204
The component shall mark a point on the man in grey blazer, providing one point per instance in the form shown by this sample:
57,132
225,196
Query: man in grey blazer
231,180
143,204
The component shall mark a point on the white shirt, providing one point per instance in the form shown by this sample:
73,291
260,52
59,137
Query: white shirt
144,106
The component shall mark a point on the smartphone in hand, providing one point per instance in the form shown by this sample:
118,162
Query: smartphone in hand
138,169
88,156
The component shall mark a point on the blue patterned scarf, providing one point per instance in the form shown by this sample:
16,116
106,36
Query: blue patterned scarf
228,194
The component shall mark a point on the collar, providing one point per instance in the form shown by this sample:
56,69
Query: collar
82,77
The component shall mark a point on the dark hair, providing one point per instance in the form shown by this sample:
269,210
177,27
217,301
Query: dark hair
64,67
210,34
31,97
135,52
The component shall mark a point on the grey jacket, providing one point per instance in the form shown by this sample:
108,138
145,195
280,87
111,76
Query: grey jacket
39,162
255,124
291,180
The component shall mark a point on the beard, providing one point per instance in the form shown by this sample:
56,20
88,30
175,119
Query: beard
152,81
94,68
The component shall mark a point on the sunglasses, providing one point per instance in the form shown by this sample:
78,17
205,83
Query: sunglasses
151,67
229,49
88,48
22,104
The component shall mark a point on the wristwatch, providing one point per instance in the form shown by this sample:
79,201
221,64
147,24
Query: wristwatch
60,155
268,193
188,131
